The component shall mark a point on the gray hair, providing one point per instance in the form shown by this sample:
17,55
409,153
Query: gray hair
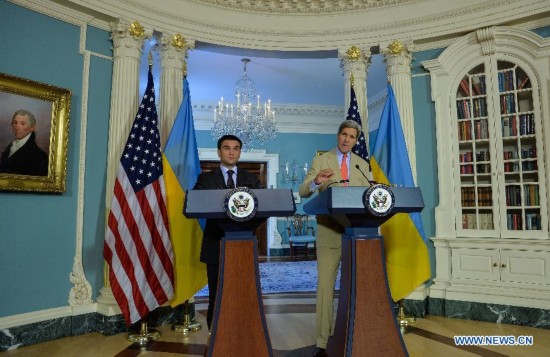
352,124
32,119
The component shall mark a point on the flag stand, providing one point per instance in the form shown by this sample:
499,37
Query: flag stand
144,335
402,319
189,324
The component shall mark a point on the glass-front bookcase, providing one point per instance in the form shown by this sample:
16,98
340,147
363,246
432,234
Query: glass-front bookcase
498,152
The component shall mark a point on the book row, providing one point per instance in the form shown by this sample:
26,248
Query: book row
470,220
514,221
506,81
531,194
526,125
468,156
480,169
481,130
507,103
474,86
513,195
464,108
468,196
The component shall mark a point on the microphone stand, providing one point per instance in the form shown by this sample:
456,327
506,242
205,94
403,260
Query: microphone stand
341,181
372,183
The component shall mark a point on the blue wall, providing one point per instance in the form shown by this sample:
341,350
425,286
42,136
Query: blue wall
38,231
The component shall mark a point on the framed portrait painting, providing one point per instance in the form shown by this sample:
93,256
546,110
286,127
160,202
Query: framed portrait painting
34,134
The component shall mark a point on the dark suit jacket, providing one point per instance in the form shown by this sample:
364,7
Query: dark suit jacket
212,180
28,160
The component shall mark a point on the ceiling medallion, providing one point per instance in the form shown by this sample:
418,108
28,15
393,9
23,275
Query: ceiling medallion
136,30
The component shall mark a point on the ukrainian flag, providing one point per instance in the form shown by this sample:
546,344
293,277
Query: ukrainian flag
407,260
181,168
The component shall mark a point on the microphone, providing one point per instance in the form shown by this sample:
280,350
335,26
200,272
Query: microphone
372,183
341,181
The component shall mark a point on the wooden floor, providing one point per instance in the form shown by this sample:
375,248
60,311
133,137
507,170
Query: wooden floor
291,324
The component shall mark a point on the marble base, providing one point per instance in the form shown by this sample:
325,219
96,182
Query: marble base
416,308
19,336
513,315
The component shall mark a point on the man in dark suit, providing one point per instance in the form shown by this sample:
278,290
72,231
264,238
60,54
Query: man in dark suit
23,156
228,175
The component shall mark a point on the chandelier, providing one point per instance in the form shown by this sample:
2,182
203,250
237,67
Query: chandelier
253,123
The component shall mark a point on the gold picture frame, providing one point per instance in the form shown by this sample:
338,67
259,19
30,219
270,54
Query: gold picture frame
51,107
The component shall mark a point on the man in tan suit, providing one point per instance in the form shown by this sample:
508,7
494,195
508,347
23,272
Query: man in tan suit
337,167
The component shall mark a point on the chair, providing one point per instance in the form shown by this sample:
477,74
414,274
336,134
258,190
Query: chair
297,232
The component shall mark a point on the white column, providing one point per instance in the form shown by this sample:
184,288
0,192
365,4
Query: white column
355,62
173,57
127,47
398,67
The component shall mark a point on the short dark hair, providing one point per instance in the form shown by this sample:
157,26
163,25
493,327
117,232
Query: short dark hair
228,137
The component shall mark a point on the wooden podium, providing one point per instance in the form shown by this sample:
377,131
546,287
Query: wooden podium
365,320
238,325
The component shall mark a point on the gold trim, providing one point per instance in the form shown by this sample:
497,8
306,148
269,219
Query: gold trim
60,100
136,30
396,47
178,41
354,53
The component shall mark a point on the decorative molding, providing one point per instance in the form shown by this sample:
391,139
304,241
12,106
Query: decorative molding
44,315
81,292
306,6
486,38
291,30
290,118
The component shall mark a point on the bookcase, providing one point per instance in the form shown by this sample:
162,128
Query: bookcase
499,184
491,97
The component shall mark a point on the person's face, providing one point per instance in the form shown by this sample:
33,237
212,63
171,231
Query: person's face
346,140
21,126
229,153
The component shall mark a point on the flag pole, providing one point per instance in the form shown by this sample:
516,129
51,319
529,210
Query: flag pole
144,335
189,324
403,319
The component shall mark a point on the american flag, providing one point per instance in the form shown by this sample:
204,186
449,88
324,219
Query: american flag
353,113
137,243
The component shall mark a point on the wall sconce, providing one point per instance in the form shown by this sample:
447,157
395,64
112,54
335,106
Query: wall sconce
294,173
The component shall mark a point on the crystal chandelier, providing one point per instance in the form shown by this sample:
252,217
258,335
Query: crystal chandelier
253,123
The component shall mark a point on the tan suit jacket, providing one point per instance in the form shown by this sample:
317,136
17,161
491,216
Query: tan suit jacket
331,237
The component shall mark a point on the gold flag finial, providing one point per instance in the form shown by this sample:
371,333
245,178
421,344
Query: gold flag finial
184,69
352,80
178,41
137,30
396,47
353,53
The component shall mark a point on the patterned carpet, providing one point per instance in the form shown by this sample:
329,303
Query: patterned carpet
286,277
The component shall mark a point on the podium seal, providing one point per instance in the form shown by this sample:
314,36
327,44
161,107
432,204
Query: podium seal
379,200
240,204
